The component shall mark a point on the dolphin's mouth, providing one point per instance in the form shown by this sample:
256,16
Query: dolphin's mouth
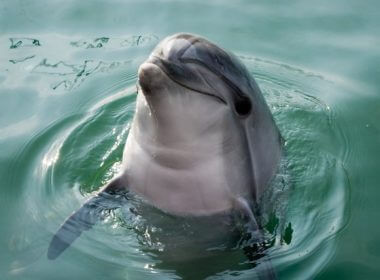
183,75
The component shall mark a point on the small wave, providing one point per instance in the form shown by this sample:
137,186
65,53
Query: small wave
319,188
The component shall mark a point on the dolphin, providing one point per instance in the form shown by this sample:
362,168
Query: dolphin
202,142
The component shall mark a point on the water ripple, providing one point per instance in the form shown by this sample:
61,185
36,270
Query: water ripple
24,42
319,183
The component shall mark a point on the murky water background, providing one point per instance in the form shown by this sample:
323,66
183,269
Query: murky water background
67,96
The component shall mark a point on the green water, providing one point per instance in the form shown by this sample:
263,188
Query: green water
67,95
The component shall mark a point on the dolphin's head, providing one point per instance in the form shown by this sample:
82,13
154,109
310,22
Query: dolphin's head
191,89
200,66
196,102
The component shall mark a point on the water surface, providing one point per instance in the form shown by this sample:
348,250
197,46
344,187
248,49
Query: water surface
67,96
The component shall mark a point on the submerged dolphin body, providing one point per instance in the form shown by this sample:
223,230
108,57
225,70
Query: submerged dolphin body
203,140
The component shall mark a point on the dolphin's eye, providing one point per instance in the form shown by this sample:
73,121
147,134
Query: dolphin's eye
243,107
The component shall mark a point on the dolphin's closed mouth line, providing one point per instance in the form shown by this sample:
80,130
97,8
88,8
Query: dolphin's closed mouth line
160,62
231,84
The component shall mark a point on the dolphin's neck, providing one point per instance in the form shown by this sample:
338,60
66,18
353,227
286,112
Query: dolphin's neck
177,181
164,151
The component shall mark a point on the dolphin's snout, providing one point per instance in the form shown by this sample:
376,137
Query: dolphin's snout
150,77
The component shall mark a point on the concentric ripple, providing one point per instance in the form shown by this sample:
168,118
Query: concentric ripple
77,154
315,149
